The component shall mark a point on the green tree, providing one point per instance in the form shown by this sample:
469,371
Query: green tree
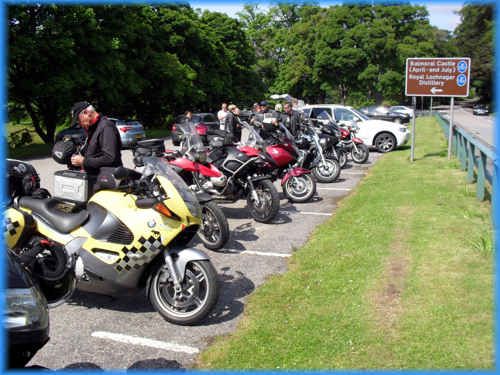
46,68
474,39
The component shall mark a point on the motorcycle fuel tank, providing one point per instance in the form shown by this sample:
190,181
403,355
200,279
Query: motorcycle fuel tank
279,154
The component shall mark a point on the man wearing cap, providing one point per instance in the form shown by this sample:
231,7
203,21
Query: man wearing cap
103,145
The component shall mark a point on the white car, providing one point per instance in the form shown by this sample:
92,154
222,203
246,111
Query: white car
402,109
385,136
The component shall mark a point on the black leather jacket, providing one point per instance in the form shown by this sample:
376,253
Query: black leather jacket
103,146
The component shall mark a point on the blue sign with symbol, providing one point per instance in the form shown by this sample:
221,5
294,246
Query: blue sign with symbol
462,67
461,80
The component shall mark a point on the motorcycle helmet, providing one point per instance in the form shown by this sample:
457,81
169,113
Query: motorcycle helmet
22,178
53,269
63,150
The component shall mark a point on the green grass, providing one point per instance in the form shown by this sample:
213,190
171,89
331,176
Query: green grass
400,278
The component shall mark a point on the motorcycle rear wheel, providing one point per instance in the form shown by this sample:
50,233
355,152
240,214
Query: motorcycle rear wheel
199,293
327,172
214,229
299,189
361,156
269,205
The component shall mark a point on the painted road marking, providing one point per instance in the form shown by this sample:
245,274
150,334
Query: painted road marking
314,213
134,340
336,189
353,173
252,252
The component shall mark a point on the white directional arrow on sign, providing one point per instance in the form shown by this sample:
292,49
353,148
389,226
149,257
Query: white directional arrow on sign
435,90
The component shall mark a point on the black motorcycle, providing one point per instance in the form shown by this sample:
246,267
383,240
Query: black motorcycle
239,178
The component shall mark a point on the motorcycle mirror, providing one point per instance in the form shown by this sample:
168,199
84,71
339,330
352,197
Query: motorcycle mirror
146,203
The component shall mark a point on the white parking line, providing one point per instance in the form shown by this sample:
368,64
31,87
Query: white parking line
353,173
314,213
134,340
336,189
252,252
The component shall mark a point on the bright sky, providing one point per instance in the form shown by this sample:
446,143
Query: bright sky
441,13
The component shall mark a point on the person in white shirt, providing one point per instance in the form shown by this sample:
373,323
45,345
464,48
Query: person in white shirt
221,115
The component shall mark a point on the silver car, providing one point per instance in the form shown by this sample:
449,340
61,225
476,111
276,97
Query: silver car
130,131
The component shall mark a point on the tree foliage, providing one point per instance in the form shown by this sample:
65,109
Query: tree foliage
474,39
152,62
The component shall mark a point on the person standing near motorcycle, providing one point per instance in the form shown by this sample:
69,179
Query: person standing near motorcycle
103,145
291,119
221,115
232,126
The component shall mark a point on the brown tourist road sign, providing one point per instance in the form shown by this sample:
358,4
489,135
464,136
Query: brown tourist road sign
437,76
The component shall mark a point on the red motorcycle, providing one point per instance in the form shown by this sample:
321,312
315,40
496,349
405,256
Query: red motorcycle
280,154
349,142
214,228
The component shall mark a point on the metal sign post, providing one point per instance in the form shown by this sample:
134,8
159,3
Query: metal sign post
450,130
412,152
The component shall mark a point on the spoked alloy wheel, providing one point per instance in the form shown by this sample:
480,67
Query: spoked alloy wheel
300,189
328,171
269,202
360,156
385,142
198,294
214,229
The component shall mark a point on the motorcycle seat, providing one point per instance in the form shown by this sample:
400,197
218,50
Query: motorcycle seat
63,222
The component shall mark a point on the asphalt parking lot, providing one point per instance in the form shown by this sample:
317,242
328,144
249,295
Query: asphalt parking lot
95,331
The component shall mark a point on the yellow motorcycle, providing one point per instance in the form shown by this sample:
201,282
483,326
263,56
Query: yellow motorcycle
133,234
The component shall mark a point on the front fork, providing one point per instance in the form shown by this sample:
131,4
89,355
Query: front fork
253,192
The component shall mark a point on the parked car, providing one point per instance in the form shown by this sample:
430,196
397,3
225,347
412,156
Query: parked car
202,122
402,109
130,131
383,135
480,110
384,113
26,316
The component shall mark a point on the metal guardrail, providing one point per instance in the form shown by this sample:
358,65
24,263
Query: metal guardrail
473,157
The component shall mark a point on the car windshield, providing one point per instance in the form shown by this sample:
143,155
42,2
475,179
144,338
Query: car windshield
209,118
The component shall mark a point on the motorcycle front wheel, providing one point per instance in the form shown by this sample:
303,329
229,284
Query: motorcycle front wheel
328,171
342,158
360,156
299,189
268,205
198,294
214,229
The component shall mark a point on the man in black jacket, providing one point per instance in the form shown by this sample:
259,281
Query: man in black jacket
103,145
291,119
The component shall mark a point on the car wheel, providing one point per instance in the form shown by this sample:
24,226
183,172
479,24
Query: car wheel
385,142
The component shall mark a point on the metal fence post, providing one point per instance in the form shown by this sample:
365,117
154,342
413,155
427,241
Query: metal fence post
470,162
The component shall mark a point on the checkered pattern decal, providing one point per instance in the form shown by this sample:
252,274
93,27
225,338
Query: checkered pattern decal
11,227
136,257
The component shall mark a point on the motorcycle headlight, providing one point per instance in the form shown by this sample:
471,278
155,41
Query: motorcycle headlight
26,309
323,141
